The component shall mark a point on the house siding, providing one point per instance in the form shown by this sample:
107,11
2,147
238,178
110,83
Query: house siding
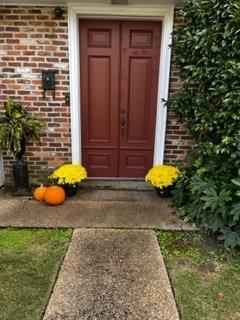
32,40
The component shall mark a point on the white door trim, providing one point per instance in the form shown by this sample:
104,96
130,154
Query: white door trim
1,170
141,12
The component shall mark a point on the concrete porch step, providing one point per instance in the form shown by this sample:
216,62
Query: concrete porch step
93,209
139,185
116,195
90,214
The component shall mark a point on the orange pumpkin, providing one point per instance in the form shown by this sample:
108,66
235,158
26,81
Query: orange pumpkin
54,195
39,193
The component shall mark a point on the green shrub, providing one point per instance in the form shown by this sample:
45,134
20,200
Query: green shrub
206,50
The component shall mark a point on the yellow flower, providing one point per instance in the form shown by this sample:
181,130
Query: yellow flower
69,174
162,176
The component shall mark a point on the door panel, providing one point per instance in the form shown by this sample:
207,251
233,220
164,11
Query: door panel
99,103
139,84
134,162
100,162
100,56
139,91
119,76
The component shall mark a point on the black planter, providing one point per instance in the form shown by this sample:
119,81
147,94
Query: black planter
20,174
21,152
164,192
69,190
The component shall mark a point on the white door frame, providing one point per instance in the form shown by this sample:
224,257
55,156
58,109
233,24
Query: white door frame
155,12
1,170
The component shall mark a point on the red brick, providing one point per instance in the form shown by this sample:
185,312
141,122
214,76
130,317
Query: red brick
22,58
12,17
4,10
42,17
19,23
28,17
20,47
20,35
35,11
6,35
14,64
19,11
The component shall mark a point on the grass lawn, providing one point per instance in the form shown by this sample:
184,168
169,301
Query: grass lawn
205,276
29,263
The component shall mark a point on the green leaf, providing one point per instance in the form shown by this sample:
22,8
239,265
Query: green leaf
231,238
235,212
236,182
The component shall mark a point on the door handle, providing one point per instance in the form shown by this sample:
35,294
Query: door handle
122,126
122,123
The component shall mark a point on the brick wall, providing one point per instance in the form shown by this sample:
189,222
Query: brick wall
178,141
32,40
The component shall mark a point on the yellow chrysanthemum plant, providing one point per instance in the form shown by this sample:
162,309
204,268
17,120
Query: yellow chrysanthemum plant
69,174
163,176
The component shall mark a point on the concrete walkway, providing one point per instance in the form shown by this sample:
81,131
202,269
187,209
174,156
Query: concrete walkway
93,209
113,268
112,274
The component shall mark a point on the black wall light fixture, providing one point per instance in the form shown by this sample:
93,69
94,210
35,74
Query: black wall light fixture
67,98
58,12
48,82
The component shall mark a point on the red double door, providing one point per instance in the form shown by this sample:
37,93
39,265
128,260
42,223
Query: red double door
119,81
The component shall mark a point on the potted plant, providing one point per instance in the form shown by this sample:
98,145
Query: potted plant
17,127
69,176
163,178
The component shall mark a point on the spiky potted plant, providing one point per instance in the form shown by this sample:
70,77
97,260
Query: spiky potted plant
17,127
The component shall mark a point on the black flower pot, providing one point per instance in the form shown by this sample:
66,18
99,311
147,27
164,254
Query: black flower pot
69,189
164,192
22,150
20,173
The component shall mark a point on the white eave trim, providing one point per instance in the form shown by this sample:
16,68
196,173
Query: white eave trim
43,3
72,2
